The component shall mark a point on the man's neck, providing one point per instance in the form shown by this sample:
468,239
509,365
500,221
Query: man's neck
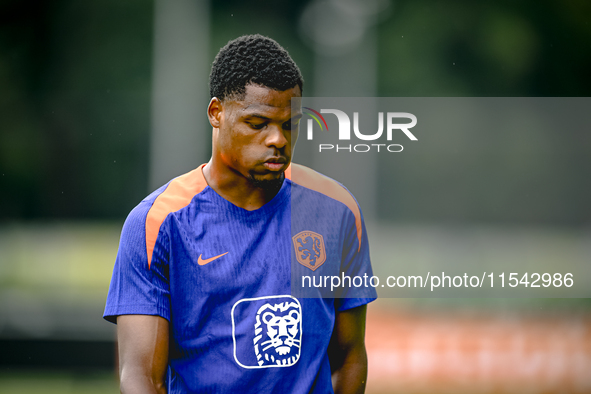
236,188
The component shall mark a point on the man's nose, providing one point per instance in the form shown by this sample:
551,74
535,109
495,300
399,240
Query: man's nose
277,137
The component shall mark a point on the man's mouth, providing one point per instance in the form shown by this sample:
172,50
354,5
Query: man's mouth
275,163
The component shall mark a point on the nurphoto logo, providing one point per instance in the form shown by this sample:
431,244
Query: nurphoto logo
393,125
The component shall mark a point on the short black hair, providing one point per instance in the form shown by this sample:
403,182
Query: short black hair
252,59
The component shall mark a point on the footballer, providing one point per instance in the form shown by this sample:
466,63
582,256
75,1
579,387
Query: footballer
202,285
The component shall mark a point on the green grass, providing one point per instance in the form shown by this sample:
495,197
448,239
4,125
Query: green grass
58,383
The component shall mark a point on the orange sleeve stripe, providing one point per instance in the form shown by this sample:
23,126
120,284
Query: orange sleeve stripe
178,194
310,179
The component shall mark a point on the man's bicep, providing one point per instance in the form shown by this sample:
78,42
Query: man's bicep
347,355
349,327
355,267
348,335
139,286
143,353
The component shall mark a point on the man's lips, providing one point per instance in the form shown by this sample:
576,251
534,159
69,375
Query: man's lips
275,163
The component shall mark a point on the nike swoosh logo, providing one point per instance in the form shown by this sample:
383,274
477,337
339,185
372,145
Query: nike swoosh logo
200,261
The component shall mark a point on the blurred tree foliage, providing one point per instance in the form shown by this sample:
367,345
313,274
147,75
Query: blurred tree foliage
486,48
489,49
75,83
75,80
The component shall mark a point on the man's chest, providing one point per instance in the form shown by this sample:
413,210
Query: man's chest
212,255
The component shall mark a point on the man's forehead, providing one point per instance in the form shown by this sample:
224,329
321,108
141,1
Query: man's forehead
261,98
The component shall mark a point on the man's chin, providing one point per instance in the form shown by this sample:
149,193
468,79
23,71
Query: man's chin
270,182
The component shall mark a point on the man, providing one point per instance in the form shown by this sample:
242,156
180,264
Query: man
202,286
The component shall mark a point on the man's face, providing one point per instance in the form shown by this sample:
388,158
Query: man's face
255,134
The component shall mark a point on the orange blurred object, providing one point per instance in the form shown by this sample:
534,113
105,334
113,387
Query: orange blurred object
479,352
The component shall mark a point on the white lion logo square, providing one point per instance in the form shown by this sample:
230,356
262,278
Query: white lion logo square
267,331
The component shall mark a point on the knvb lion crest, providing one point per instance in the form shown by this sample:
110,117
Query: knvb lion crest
309,249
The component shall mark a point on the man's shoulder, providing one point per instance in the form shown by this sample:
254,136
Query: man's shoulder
145,220
317,182
177,193
172,196
328,188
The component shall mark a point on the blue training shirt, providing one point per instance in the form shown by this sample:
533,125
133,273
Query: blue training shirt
222,276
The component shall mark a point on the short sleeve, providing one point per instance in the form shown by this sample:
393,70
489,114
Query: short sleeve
356,264
138,288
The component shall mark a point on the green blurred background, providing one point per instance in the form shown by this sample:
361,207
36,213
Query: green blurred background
88,94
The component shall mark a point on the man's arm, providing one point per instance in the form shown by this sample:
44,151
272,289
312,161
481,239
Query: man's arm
346,352
143,353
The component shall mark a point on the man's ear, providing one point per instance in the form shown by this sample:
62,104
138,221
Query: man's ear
214,112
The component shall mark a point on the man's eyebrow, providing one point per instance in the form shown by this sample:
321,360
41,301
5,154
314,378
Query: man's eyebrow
257,116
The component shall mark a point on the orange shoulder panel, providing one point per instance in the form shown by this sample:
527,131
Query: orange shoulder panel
178,194
313,180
